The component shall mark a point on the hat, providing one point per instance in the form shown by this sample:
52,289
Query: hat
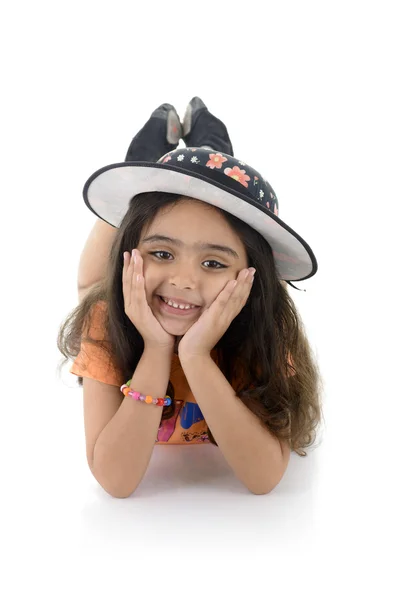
213,177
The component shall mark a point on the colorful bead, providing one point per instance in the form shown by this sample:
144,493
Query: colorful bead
127,391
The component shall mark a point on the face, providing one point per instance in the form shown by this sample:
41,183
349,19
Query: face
183,269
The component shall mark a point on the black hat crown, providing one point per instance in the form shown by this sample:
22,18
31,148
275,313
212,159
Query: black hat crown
226,170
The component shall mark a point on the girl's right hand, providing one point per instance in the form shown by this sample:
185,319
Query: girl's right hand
137,308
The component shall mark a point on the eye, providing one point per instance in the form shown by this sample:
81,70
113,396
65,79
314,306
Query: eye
159,252
221,266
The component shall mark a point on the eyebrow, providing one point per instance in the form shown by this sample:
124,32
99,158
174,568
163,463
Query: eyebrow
201,245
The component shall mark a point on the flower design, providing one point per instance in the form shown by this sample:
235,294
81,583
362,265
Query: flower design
166,159
261,194
194,159
238,174
180,157
216,161
242,163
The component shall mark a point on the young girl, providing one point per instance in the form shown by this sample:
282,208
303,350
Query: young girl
185,332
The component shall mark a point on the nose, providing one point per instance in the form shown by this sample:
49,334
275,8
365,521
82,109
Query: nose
183,277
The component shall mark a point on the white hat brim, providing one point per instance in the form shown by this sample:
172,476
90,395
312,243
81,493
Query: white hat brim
108,193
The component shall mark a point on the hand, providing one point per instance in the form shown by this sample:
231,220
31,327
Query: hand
136,306
202,336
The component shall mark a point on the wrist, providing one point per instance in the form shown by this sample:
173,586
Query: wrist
188,357
166,350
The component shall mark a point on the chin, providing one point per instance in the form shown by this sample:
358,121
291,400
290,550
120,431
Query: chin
176,329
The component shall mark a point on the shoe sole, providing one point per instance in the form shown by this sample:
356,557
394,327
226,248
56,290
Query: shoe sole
174,128
196,104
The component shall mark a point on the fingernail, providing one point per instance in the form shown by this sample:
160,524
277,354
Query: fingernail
252,270
134,256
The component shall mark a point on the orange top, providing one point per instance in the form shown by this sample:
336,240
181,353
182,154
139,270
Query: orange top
186,426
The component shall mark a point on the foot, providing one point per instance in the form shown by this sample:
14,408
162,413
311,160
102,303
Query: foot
161,134
202,129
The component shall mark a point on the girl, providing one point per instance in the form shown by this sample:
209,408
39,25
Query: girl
183,305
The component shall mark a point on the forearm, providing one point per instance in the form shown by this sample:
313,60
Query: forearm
124,447
254,454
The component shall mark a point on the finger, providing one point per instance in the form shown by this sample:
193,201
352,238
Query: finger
246,277
137,277
131,281
126,278
226,294
135,268
241,286
235,287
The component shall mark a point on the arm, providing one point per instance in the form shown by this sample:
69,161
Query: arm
123,449
255,455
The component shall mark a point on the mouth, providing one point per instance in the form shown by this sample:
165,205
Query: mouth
171,310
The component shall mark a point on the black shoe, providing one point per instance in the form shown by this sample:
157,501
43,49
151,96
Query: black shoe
201,128
159,135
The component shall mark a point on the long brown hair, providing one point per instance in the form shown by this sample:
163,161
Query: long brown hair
254,349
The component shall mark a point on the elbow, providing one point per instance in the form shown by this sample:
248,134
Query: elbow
262,490
116,492
273,480
113,490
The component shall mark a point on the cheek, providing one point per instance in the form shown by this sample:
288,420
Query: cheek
149,288
149,276
212,294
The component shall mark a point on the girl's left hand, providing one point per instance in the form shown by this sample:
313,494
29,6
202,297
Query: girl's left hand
202,336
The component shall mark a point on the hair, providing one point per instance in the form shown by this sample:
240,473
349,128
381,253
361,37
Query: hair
255,347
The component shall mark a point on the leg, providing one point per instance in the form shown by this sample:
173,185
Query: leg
94,256
160,134
203,129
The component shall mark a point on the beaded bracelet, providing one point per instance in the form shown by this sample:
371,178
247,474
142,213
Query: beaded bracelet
127,391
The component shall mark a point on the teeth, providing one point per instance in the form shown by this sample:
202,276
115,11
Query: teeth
181,306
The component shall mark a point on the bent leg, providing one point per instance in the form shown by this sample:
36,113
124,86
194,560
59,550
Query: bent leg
95,253
159,135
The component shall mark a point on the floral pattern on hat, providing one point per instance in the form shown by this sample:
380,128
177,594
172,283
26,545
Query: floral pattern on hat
196,159
216,161
238,174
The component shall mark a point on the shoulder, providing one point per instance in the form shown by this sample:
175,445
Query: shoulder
95,321
286,450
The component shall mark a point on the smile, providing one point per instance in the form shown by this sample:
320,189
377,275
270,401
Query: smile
176,310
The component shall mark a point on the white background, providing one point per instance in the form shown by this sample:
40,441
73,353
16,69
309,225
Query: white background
310,94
